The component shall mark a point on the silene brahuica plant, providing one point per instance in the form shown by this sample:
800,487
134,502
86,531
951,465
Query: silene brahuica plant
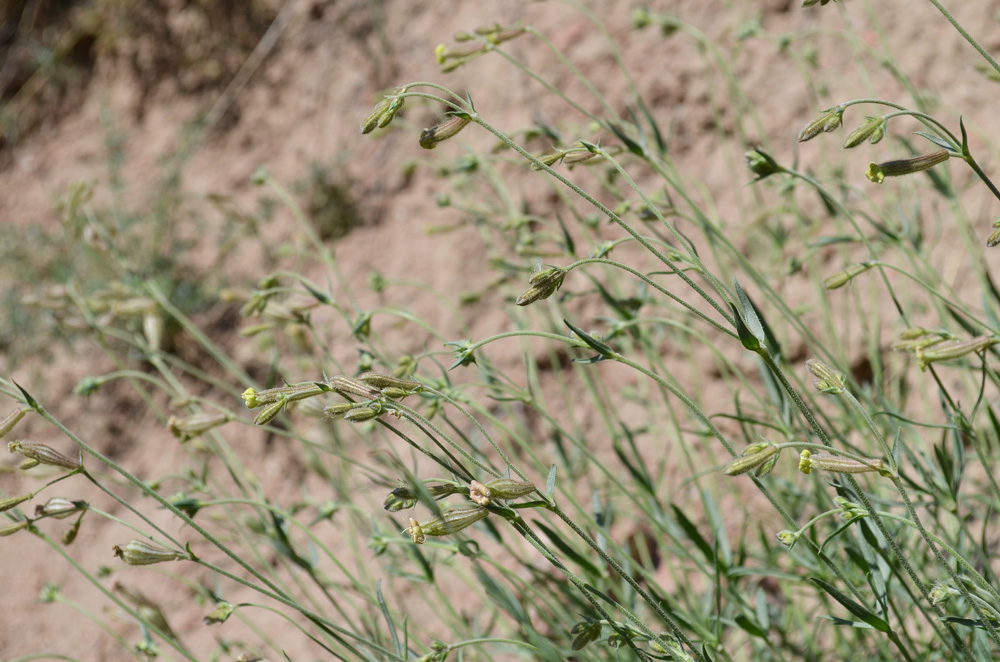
661,457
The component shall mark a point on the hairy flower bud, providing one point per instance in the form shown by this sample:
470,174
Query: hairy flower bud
502,488
142,552
191,426
11,529
830,120
761,163
760,456
872,130
827,380
42,454
10,420
838,280
10,502
954,349
544,283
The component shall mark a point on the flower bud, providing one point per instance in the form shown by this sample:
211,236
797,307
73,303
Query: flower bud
223,610
11,529
195,424
10,502
788,538
349,385
877,172
954,349
10,420
502,488
544,283
838,280
991,241
268,413
362,414
142,552
430,138
830,120
761,163
827,380
448,522
761,455
872,130
42,454
390,386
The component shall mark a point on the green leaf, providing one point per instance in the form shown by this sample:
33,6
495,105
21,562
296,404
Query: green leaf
388,618
593,342
557,541
692,532
550,483
28,400
856,608
750,627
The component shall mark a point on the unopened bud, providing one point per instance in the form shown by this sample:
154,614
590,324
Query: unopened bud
10,420
502,488
390,386
954,349
544,283
829,121
152,328
268,413
788,538
42,454
842,278
447,523
349,385
872,130
877,172
223,610
11,529
827,380
362,414
761,163
760,456
10,502
195,424
142,552
994,237
430,138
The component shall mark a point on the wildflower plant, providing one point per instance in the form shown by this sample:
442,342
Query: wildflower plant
667,478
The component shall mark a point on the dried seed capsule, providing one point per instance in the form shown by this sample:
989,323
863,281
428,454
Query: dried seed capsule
59,508
142,552
42,454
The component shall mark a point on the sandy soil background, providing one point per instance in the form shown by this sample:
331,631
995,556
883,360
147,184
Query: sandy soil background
296,104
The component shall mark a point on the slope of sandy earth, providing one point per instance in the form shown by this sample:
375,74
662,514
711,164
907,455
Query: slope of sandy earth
302,106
